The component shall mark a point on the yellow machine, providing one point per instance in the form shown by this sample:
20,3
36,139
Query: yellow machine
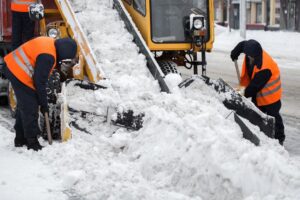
175,30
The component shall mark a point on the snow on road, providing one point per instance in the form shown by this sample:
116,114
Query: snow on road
281,45
187,148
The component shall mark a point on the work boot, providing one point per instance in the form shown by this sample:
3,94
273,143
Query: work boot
33,143
280,139
19,142
281,142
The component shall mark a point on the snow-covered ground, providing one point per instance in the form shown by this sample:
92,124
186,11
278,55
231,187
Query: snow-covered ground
187,148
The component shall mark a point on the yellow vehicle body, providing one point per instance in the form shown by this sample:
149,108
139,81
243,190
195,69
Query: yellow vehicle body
144,22
67,27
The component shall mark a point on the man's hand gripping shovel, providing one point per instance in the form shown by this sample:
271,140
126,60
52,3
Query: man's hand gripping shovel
240,89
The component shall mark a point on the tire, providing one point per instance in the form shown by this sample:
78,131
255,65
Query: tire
53,88
168,67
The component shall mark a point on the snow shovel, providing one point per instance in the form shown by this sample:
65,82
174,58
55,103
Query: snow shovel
48,128
241,105
237,71
247,133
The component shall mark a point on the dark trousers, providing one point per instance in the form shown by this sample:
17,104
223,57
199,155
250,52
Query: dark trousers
26,124
22,28
273,110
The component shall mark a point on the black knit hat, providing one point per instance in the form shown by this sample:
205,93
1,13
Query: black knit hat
253,48
66,48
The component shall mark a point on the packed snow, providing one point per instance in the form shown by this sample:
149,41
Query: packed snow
279,44
188,148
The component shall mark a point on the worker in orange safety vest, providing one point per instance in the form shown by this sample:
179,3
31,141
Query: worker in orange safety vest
28,69
261,81
22,25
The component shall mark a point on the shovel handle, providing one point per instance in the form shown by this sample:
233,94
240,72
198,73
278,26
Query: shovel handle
48,128
237,71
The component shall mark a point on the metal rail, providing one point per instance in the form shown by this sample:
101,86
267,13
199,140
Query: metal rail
151,62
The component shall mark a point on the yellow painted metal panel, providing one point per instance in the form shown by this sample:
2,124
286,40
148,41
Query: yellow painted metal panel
65,130
94,74
143,23
67,134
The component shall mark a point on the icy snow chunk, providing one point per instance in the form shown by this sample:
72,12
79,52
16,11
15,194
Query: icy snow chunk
120,139
173,81
72,178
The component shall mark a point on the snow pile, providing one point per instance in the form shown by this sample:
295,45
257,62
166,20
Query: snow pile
187,152
23,174
186,144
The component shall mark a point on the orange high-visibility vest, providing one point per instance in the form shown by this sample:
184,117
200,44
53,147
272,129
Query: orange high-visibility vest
272,91
21,5
21,62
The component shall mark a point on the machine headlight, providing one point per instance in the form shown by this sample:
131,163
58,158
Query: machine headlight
53,32
198,24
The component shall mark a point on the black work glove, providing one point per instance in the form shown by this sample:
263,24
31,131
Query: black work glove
44,109
2,76
238,49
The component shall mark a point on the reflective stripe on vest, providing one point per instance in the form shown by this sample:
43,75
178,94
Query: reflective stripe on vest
27,67
21,5
263,94
20,2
